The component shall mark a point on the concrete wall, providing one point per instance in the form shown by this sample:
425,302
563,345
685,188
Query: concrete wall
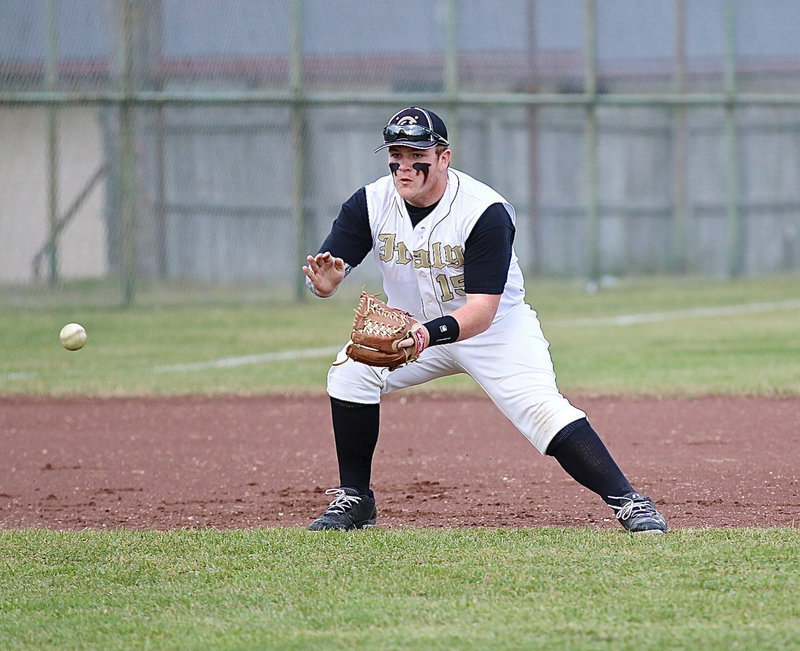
23,193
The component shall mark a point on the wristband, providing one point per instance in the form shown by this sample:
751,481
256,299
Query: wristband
443,330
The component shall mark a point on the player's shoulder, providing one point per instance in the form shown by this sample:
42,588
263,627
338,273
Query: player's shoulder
357,203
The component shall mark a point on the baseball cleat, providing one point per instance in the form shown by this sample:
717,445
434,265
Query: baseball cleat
348,510
638,514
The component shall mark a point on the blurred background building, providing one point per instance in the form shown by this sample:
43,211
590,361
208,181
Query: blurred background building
203,147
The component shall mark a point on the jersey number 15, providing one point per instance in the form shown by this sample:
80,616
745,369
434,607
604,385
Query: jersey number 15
450,286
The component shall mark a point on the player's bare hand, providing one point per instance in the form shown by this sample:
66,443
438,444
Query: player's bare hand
418,339
325,272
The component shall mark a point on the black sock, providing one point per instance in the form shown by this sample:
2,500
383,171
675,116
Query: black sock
355,429
583,455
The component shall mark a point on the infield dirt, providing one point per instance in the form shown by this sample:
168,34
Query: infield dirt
442,461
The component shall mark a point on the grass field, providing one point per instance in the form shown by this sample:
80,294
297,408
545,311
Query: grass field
685,342
409,588
521,589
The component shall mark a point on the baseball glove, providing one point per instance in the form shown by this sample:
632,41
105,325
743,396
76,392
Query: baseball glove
377,331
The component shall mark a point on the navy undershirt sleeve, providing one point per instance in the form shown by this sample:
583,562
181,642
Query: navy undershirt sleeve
487,252
351,237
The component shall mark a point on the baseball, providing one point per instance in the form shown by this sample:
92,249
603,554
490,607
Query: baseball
73,336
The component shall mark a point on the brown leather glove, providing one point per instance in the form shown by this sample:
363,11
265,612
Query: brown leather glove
378,330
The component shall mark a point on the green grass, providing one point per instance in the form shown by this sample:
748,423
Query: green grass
414,588
404,588
754,353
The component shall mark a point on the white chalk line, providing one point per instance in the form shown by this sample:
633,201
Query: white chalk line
691,313
18,375
232,362
623,319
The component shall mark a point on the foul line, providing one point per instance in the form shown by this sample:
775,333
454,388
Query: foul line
231,362
692,313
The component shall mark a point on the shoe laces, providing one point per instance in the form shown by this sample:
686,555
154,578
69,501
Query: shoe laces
633,507
342,502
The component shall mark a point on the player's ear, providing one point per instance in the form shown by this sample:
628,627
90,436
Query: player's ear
444,158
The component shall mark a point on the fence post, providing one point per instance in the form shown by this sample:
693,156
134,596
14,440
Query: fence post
590,90
451,82
533,130
735,239
679,143
128,158
51,83
299,135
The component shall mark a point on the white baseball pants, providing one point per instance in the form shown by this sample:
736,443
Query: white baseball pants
510,361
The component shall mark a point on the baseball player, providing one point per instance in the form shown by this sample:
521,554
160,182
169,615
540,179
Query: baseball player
443,242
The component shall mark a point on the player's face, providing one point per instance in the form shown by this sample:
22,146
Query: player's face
420,175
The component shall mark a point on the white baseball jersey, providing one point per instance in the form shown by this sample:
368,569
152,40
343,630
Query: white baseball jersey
423,273
423,267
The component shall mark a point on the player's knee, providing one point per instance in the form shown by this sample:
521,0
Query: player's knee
354,382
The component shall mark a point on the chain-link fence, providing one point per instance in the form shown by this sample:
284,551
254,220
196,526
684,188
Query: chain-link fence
195,149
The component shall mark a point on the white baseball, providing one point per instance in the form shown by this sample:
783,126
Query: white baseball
73,336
